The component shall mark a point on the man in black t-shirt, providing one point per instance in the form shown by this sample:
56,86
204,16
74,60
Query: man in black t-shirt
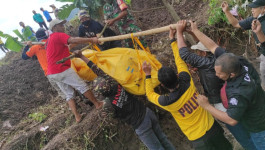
129,109
90,28
242,91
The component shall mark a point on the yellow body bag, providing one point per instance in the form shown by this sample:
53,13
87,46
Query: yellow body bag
122,64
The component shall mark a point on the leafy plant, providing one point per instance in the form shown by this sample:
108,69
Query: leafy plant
216,13
11,43
38,116
43,140
93,6
19,35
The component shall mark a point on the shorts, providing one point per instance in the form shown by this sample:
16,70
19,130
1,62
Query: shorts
56,87
67,81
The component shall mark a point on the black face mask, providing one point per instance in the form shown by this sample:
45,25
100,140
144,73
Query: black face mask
86,23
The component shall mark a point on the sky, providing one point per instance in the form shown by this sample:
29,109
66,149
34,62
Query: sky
14,11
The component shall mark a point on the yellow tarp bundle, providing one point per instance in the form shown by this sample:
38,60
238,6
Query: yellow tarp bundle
122,64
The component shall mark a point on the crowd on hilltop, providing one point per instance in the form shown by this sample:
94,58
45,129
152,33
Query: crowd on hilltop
233,92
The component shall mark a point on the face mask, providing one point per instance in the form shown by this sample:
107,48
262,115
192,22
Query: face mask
86,23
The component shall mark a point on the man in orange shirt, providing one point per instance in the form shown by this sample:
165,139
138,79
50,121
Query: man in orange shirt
37,50
40,52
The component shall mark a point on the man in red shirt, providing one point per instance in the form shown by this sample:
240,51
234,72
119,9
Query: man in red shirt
65,77
39,51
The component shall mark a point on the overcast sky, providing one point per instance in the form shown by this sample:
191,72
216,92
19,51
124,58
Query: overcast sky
14,11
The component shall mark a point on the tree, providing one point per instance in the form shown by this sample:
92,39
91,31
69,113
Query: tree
93,6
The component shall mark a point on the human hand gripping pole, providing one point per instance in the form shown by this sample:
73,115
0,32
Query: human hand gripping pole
225,6
146,68
87,47
256,26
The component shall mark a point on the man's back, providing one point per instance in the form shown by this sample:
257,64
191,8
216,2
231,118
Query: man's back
40,52
57,49
210,82
193,120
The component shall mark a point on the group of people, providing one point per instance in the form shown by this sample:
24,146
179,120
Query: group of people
28,33
39,19
232,86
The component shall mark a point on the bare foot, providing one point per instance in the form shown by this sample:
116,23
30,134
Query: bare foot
99,105
79,118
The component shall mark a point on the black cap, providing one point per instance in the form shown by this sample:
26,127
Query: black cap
41,34
257,3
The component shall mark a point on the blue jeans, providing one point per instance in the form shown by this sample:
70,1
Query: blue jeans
242,136
258,139
151,135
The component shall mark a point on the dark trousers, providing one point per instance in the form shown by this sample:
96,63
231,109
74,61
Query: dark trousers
213,140
41,24
151,134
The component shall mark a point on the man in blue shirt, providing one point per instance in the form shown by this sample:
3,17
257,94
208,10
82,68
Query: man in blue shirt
27,32
46,14
38,19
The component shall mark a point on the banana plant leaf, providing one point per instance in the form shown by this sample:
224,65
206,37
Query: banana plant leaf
13,44
19,35
65,11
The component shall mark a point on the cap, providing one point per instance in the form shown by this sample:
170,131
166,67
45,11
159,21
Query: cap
55,22
257,3
52,5
41,34
83,13
200,47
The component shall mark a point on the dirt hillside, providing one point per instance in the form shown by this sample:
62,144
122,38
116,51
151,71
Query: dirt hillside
24,90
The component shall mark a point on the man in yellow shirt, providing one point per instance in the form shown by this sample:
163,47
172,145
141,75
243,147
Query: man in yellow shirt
2,46
196,123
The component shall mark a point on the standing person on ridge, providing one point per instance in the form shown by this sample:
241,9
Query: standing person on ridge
46,14
39,19
54,11
27,32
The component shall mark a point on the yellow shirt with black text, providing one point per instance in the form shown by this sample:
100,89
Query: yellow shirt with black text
193,120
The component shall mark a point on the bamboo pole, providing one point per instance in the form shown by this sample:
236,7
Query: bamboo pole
33,43
137,34
87,47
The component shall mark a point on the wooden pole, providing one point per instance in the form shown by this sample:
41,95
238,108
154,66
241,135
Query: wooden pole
137,34
176,18
33,43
